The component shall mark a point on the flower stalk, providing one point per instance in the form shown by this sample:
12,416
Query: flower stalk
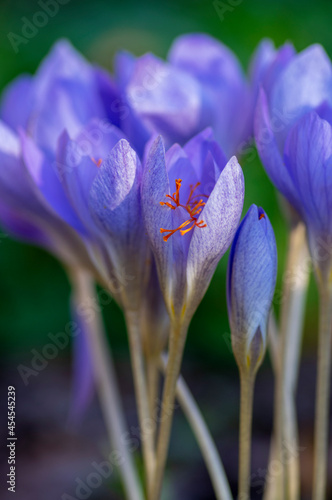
105,379
177,340
287,484
247,383
203,436
322,394
142,400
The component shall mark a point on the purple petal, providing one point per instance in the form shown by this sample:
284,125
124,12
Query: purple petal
109,95
308,157
16,102
269,152
78,163
50,190
304,84
251,276
18,225
221,215
115,199
168,100
206,58
155,186
225,95
207,158
65,95
124,68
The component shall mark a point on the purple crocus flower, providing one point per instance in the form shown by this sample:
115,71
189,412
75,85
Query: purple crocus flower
293,135
66,93
200,85
251,278
191,229
36,190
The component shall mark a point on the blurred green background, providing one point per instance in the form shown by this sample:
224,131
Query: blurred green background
33,286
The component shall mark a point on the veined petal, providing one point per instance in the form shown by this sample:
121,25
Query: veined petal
78,163
115,204
221,215
251,278
115,198
155,186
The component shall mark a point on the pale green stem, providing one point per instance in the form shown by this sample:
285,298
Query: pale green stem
286,485
105,378
273,340
152,372
203,437
140,385
247,382
176,346
322,394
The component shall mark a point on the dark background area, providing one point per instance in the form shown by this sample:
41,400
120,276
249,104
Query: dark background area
33,287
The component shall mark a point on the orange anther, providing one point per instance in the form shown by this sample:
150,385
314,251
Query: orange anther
193,208
98,163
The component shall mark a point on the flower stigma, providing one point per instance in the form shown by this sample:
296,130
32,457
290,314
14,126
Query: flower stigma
194,206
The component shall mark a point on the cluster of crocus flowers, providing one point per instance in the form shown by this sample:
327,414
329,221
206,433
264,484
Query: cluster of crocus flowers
130,180
294,140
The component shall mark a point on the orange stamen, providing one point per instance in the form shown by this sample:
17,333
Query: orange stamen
261,216
193,208
98,163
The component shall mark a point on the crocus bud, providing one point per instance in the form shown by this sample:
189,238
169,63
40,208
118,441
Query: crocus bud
251,279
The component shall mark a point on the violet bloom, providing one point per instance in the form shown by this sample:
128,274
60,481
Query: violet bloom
293,135
44,197
200,85
66,93
191,229
251,278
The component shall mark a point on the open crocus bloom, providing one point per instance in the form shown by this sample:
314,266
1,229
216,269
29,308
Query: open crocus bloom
251,278
191,229
294,136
